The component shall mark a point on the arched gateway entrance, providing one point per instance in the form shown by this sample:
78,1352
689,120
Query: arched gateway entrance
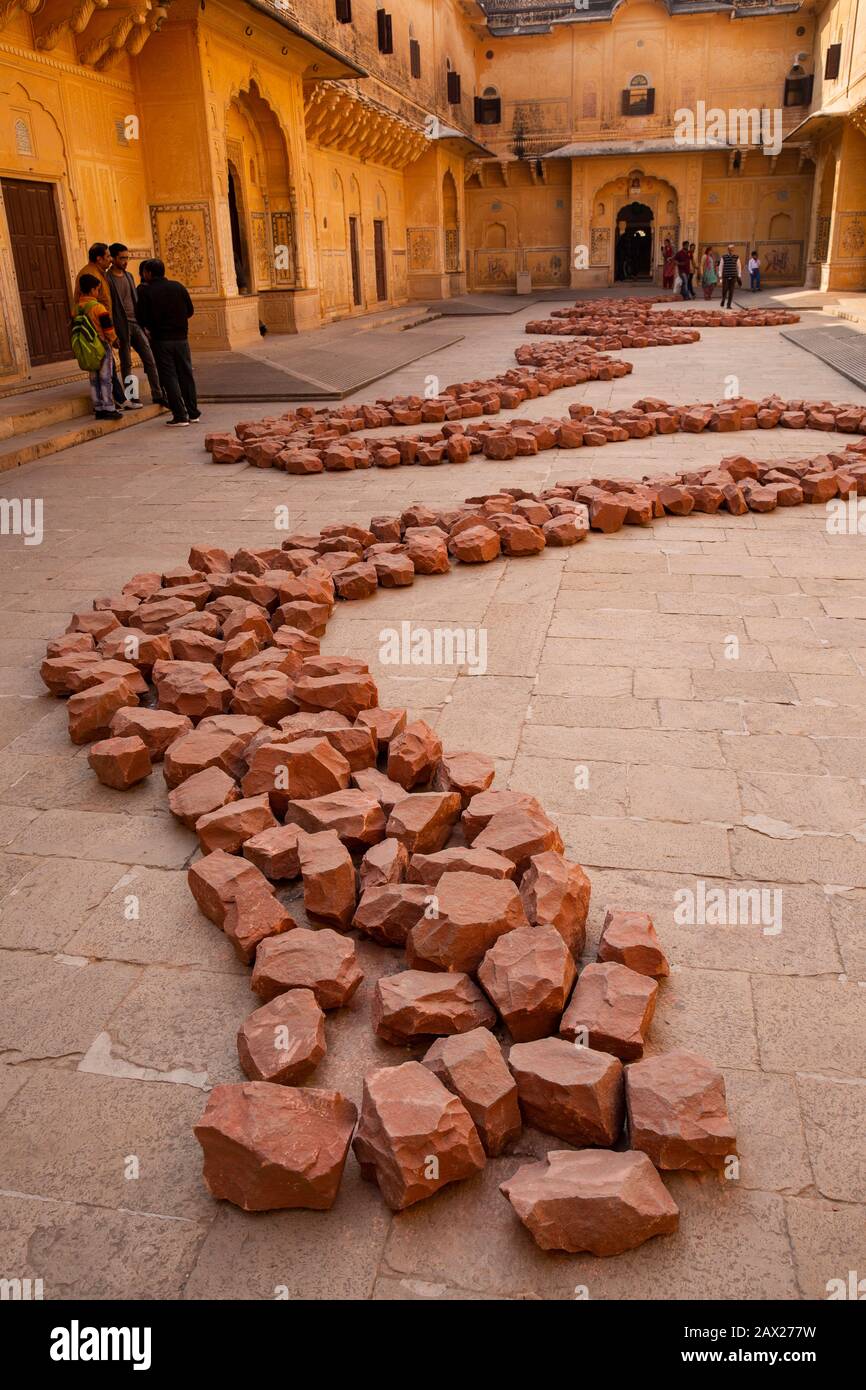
633,214
633,250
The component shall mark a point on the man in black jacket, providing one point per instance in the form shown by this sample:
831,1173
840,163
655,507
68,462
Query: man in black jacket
164,309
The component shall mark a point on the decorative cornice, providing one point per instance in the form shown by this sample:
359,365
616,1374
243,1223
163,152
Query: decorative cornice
63,65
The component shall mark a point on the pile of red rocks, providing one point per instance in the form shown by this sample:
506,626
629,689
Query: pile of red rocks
289,772
504,440
634,324
307,440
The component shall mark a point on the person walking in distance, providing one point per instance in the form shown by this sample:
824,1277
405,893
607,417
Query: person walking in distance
754,269
709,275
130,334
732,274
693,255
164,309
683,260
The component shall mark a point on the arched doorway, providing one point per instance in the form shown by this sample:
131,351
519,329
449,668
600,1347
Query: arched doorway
240,249
451,224
259,194
633,248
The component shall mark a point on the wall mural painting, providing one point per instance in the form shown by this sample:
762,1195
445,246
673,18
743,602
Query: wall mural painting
182,238
599,247
852,236
495,268
421,242
549,267
780,260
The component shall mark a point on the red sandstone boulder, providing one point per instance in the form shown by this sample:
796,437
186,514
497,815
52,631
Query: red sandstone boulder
266,694
383,863
297,770
572,1092
356,743
415,1003
591,1200
428,554
388,913
203,748
429,868
275,852
322,961
228,827
486,804
252,916
472,1067
215,880
329,877
630,938
376,784
347,693
193,688
611,1010
556,893
157,728
528,975
466,773
268,1148
71,671
468,913
519,835
677,1112
413,755
120,762
91,711
423,822
475,545
203,792
283,1041
385,724
414,1135
354,816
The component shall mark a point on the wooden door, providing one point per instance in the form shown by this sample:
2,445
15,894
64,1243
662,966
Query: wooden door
381,267
355,258
40,268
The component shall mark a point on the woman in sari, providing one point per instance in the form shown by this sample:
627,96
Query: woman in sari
709,274
669,265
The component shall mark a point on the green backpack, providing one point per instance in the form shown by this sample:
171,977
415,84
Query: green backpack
87,346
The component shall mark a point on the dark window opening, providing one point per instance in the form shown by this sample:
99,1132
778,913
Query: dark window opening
638,101
415,57
798,90
344,11
454,88
385,31
488,110
834,61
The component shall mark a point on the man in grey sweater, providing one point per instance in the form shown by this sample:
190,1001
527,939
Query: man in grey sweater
130,334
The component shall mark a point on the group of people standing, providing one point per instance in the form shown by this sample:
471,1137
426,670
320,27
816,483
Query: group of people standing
152,317
679,269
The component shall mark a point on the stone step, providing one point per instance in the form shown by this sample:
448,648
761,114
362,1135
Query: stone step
54,437
47,408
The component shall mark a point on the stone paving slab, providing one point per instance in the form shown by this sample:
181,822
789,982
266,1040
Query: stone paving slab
298,369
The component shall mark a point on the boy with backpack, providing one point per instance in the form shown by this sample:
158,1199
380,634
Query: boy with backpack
92,337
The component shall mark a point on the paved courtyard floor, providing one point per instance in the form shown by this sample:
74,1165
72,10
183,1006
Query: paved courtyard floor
615,657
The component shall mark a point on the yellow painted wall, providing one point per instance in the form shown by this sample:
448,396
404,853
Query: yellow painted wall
228,83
